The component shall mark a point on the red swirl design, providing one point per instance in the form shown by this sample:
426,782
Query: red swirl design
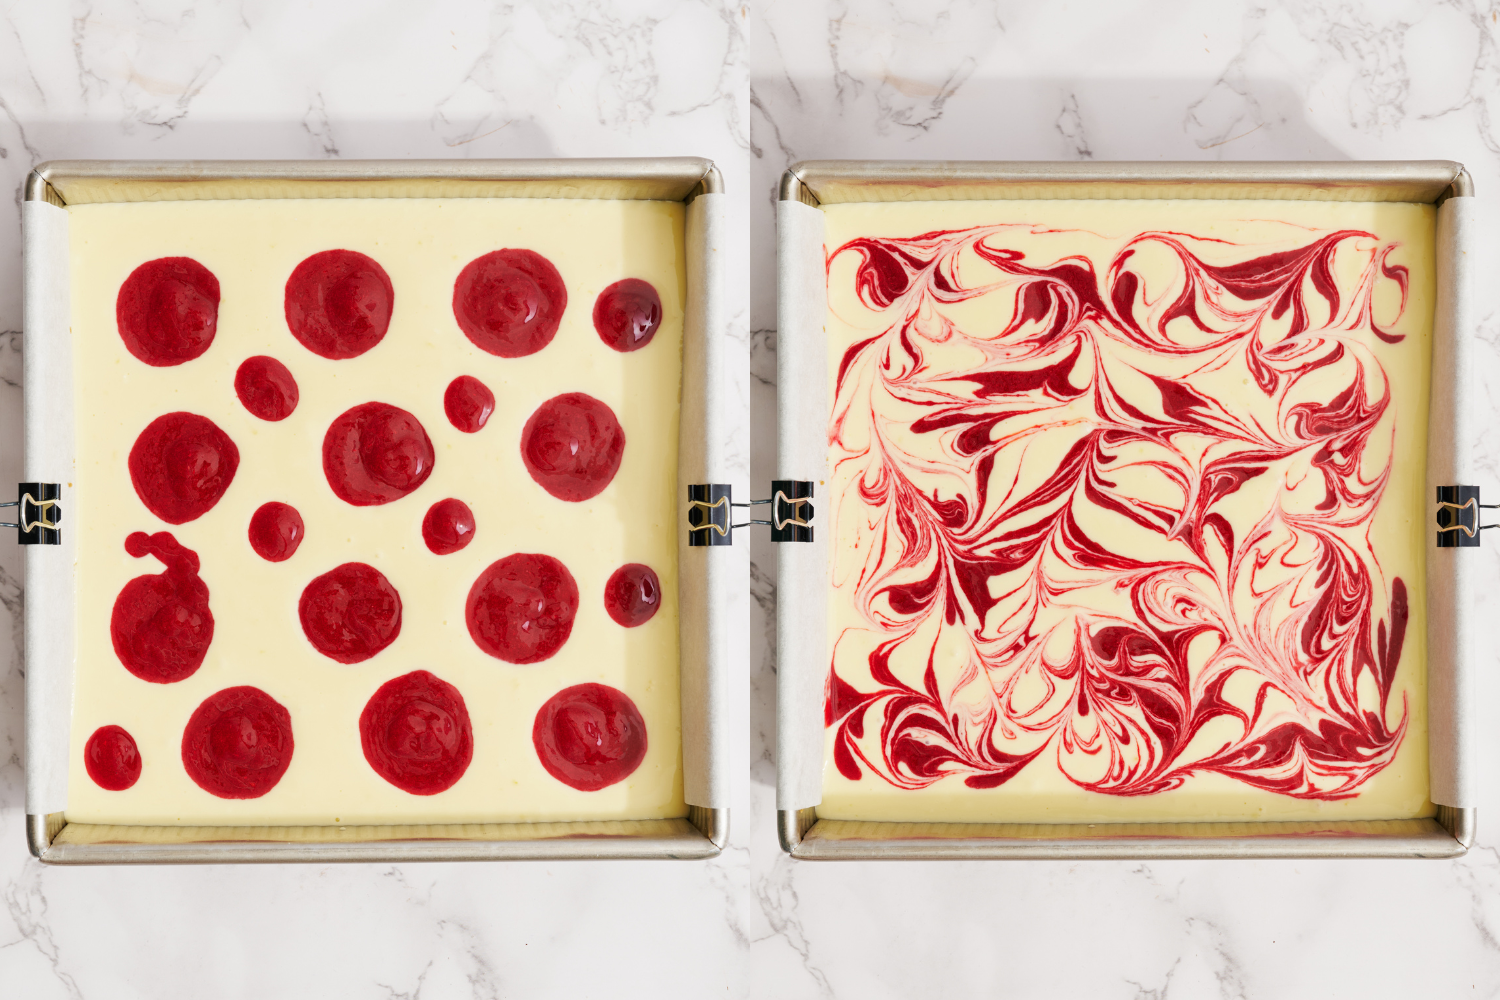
1048,529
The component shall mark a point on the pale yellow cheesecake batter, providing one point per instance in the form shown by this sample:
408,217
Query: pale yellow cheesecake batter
1127,508
252,247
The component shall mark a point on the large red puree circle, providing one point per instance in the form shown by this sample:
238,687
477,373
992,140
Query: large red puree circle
632,595
266,388
521,608
416,733
627,314
168,311
468,403
376,453
589,736
181,465
572,446
350,613
161,626
509,302
238,743
112,759
276,529
338,303
448,526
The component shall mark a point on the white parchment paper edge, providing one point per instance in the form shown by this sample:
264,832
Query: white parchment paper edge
802,453
1452,574
801,633
705,575
704,584
47,351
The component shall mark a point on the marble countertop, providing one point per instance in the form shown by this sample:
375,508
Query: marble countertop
755,88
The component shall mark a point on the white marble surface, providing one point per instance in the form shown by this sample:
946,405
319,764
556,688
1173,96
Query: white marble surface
755,89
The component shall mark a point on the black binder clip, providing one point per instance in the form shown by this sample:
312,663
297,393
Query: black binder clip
1458,510
40,513
710,505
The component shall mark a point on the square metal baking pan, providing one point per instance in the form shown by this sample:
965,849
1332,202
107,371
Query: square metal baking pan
703,574
801,447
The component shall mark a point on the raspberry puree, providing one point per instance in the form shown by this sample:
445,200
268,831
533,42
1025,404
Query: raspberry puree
376,453
266,388
112,759
627,314
468,403
338,304
161,625
416,734
572,446
180,465
521,608
589,736
509,302
632,595
168,311
350,613
238,743
276,530
448,526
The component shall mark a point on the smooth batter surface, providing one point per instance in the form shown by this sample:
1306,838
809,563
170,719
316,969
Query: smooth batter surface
252,248
1127,500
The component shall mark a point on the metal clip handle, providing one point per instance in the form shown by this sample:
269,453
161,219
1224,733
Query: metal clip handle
1455,531
40,512
710,504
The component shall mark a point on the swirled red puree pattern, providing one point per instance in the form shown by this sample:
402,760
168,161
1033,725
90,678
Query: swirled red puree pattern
572,445
266,388
627,314
112,759
167,311
338,304
510,302
416,734
448,526
180,466
350,613
632,595
161,625
238,743
468,403
589,736
375,453
521,608
276,530
1129,495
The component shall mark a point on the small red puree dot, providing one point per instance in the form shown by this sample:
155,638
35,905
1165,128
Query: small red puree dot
589,736
468,403
521,608
161,626
376,453
238,743
627,314
266,388
350,613
338,303
181,465
416,734
448,526
572,446
112,759
510,302
632,595
168,311
276,530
